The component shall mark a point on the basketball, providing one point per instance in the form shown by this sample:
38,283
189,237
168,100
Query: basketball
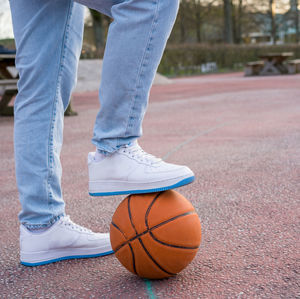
155,235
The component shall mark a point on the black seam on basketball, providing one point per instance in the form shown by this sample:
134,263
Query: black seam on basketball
113,224
133,258
153,260
149,208
170,245
131,240
171,219
129,213
120,246
154,227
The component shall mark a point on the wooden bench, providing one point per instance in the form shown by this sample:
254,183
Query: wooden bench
293,66
253,68
8,86
8,89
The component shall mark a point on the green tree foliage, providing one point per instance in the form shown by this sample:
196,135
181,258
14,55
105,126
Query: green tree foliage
219,21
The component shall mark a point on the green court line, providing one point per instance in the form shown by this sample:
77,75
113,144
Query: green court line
149,289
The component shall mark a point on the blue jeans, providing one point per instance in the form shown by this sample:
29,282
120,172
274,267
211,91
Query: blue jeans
48,35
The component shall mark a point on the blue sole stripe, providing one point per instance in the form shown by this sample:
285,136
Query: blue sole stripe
179,184
66,258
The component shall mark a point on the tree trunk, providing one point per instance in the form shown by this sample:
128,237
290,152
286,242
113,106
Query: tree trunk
234,23
228,36
297,21
198,20
273,23
239,22
98,30
182,21
198,27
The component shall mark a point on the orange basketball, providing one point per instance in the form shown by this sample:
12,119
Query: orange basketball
155,235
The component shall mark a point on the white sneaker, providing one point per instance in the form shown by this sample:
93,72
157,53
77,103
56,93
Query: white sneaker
63,240
130,170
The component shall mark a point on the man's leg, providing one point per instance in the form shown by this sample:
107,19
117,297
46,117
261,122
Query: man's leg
48,37
135,43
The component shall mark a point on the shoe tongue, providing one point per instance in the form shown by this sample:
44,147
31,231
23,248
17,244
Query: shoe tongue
133,144
136,148
65,218
76,226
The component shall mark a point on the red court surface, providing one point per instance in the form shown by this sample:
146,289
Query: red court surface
241,136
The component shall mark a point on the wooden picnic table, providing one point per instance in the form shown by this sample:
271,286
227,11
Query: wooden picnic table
8,83
7,60
8,86
274,63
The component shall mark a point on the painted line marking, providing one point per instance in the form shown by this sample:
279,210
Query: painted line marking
149,289
203,133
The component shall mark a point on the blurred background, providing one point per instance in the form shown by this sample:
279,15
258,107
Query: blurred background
208,36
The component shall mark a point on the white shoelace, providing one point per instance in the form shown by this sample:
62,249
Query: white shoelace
69,223
137,153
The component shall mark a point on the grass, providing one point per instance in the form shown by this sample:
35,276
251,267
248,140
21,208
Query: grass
8,43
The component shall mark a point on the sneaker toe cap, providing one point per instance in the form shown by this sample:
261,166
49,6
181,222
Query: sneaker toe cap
101,240
172,170
100,237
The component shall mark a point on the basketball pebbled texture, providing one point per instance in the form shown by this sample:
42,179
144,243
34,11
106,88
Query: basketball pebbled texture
155,235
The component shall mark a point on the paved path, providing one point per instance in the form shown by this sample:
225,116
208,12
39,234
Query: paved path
241,136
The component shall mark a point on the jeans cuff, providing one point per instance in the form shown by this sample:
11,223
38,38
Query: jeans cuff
108,150
44,225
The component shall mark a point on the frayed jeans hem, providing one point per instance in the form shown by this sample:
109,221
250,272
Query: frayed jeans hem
109,150
43,225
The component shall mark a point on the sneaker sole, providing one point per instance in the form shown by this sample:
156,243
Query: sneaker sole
65,258
181,183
